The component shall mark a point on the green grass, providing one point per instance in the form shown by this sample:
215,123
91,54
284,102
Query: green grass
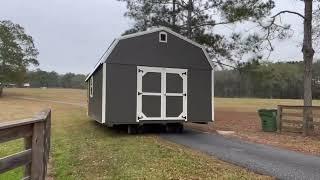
83,149
7,149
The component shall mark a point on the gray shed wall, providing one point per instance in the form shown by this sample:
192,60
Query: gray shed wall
95,103
122,99
199,96
121,94
146,50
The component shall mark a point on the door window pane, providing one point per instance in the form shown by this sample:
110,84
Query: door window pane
151,82
174,106
174,83
151,106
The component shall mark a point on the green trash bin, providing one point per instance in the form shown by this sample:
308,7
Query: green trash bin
268,119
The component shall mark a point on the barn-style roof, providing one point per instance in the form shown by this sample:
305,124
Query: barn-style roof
105,56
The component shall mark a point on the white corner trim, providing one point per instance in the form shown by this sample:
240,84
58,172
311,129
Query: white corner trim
212,94
104,92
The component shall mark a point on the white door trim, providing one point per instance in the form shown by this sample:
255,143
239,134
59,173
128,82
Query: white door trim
141,71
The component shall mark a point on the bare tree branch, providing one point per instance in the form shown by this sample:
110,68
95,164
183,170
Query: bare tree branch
290,12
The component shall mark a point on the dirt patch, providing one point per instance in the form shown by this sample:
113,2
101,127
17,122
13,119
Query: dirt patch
246,126
229,120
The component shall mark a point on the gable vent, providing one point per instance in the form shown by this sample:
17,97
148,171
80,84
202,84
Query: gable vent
163,37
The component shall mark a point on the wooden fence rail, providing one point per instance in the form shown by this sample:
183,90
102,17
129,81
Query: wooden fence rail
294,122
36,134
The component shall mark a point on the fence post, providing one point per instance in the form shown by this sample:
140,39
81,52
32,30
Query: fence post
36,133
27,145
279,117
47,140
37,165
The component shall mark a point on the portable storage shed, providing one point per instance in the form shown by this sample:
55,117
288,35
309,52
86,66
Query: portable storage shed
155,76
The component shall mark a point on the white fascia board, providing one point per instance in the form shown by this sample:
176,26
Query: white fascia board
113,45
208,58
173,33
161,29
141,33
116,41
104,57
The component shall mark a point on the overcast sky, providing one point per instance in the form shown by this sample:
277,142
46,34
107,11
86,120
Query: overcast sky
72,35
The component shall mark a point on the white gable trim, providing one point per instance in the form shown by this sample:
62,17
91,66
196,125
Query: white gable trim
116,41
104,57
208,58
161,29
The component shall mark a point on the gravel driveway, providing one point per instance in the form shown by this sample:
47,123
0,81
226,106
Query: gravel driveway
279,163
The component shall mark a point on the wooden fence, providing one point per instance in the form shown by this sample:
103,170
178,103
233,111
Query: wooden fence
36,134
290,118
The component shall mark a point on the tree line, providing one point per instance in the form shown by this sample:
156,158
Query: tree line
266,80
40,78
18,53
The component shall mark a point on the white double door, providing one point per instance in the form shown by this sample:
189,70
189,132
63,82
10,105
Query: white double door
161,93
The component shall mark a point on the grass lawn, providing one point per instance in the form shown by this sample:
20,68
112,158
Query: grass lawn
83,149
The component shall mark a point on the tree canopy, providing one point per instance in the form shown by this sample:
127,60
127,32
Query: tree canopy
40,78
17,52
197,19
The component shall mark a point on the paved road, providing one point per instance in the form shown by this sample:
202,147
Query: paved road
279,163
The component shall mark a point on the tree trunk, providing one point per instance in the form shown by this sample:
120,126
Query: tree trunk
189,20
1,89
308,53
174,16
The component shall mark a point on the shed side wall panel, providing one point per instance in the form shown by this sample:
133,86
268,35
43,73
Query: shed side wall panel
146,50
122,88
95,102
121,94
199,96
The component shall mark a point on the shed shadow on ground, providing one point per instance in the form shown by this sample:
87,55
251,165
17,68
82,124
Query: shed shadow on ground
148,129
